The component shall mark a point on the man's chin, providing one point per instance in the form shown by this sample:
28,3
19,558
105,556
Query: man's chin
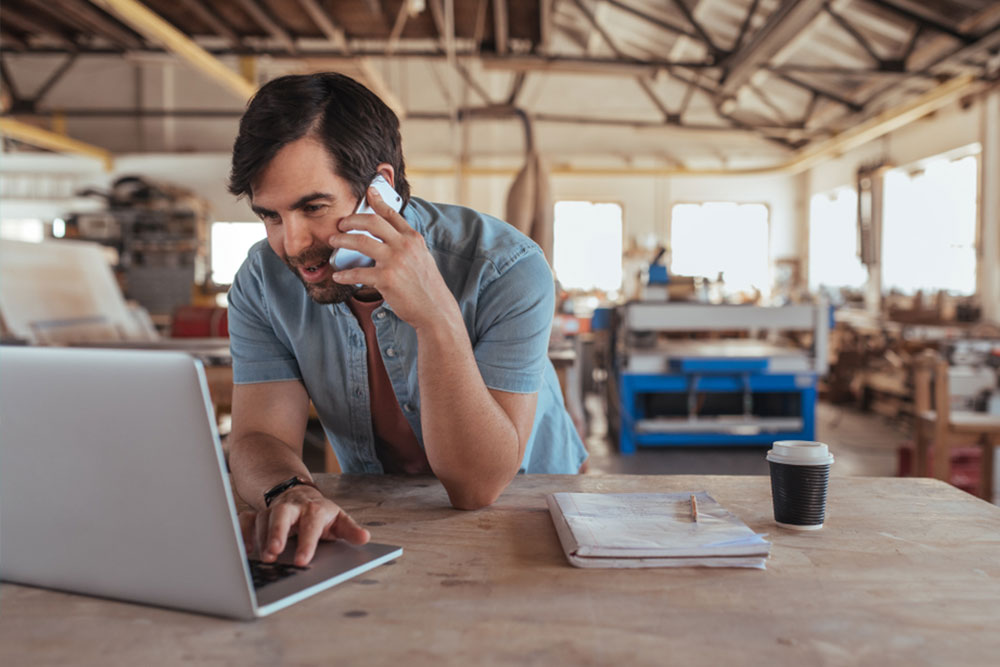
330,292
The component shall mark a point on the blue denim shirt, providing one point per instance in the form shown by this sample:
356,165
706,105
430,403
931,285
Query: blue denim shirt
504,288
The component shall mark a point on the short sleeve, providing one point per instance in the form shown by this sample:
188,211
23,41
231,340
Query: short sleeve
259,355
513,321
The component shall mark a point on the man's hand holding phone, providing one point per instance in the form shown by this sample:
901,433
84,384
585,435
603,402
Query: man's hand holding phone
345,258
404,271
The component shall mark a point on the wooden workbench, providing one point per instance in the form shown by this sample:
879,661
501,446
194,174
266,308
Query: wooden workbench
906,572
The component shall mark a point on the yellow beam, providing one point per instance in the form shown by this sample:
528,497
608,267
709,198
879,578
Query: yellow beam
36,136
150,25
888,121
59,123
248,69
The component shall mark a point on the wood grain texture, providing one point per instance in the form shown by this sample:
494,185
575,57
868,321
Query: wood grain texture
906,571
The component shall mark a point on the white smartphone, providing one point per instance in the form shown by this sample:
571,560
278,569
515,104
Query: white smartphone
344,258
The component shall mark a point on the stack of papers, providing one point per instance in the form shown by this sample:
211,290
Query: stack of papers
653,530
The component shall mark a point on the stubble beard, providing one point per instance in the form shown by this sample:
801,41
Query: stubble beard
330,293
326,292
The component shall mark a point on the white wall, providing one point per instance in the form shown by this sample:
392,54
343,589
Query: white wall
646,200
953,127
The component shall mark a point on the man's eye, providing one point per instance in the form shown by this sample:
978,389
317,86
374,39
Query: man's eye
314,208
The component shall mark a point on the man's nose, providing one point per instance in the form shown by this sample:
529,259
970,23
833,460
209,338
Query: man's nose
298,235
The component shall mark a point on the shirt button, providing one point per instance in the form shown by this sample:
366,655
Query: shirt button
358,392
408,407
390,352
380,315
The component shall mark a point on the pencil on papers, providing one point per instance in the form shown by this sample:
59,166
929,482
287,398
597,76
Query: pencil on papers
694,509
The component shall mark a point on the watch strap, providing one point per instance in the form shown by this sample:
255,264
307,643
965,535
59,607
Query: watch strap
281,487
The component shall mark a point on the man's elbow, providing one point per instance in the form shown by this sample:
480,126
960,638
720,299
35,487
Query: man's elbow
472,498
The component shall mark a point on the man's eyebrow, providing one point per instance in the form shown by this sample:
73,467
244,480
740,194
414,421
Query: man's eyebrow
299,203
302,201
261,211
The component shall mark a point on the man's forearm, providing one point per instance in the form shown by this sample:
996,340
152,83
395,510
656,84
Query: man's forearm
259,461
471,443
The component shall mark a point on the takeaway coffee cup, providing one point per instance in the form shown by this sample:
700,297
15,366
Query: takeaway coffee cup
800,472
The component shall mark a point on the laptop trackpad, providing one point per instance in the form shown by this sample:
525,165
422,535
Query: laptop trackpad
333,563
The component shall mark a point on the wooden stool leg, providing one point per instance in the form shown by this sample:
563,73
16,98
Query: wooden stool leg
986,444
920,450
942,446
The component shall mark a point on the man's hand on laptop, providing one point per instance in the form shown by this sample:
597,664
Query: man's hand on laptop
301,511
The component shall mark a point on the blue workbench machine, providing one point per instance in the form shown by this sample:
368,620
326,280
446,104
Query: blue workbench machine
730,391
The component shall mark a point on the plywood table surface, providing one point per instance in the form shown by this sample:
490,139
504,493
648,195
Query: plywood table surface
906,571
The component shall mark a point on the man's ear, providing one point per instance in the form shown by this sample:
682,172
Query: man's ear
386,170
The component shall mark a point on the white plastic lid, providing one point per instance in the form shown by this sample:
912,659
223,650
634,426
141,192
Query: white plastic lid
800,453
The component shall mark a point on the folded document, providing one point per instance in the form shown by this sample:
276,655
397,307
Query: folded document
625,530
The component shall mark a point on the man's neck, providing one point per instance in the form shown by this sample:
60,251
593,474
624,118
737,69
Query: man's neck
367,294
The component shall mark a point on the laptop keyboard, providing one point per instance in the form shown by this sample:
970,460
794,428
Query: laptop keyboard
268,573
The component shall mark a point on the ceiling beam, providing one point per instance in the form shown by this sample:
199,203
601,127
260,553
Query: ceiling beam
787,21
544,25
375,9
669,27
668,117
437,15
855,72
54,78
36,136
745,26
855,34
500,26
9,83
157,30
8,37
626,67
326,24
12,17
397,28
83,14
596,25
853,106
472,83
208,16
264,20
593,66
703,36
492,110
924,20
516,87
883,123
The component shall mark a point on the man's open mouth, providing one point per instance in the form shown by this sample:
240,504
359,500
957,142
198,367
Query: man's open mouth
314,271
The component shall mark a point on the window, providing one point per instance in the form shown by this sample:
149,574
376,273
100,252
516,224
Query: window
722,237
231,242
29,229
929,227
833,241
587,246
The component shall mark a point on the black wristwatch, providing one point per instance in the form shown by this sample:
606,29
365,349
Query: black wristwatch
281,487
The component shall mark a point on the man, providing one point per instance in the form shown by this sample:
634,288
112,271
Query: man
434,360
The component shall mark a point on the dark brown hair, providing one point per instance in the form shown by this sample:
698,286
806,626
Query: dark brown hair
357,128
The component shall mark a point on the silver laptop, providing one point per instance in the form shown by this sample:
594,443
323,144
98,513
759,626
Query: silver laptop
113,483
